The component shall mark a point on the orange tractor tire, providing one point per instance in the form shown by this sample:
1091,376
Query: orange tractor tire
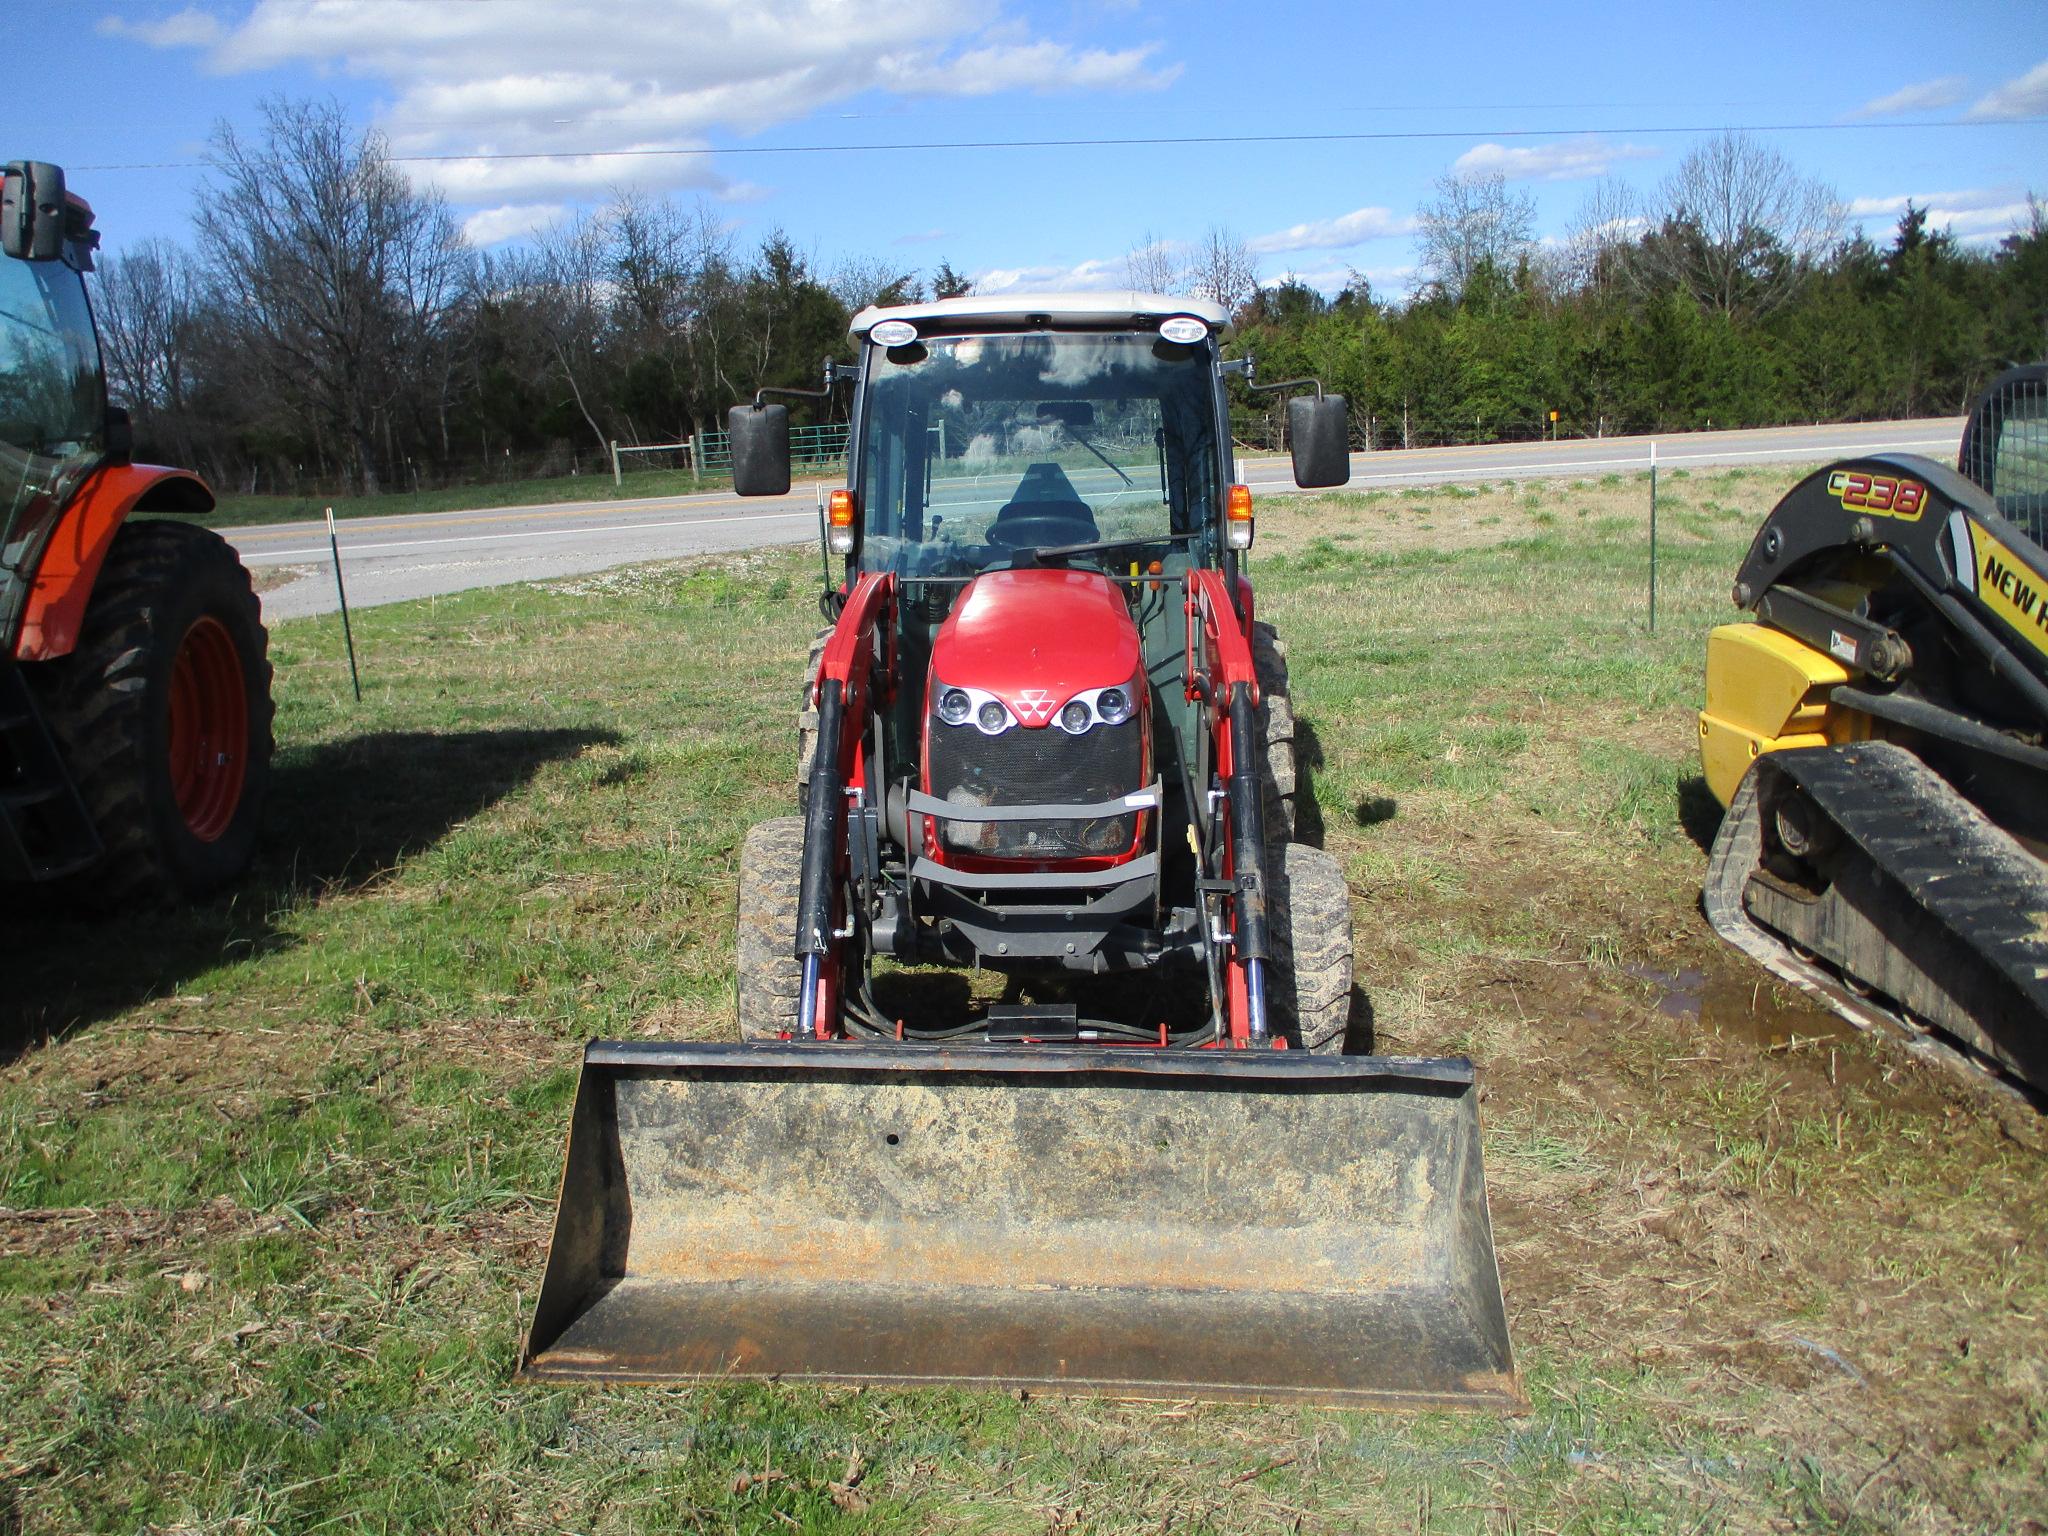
163,715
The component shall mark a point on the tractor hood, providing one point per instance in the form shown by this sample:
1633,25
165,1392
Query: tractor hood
1035,638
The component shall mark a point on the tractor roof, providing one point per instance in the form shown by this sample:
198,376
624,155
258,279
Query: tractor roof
1047,310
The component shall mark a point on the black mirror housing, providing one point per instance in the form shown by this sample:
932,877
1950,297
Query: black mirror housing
760,449
119,436
32,211
1319,439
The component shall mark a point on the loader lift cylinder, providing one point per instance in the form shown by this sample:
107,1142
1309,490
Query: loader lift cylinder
822,818
1248,862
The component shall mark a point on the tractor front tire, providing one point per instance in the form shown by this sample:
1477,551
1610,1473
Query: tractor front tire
807,721
162,713
1275,719
1308,911
768,976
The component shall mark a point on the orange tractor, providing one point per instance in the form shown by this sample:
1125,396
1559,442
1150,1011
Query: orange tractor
134,678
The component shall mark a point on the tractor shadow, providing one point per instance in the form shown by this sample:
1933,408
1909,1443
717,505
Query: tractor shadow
339,817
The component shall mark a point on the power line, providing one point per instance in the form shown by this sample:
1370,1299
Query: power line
1162,141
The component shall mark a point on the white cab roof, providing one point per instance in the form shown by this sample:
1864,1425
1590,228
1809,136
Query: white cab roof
1054,309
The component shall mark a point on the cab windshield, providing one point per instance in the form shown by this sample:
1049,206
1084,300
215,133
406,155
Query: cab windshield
985,451
52,407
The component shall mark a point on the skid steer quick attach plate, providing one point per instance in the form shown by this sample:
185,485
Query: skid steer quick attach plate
1128,1222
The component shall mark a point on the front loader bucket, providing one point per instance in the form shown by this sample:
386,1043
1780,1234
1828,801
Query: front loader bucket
1129,1222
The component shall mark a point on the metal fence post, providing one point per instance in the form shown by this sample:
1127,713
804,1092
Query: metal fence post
1653,537
348,634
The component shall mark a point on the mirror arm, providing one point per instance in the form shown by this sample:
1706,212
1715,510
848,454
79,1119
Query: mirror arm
836,373
1287,384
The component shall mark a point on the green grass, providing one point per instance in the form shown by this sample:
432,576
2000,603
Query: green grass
274,1193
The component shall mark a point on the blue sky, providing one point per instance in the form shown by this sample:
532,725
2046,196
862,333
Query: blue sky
1554,97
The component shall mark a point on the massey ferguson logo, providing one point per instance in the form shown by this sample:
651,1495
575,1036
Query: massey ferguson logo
1034,706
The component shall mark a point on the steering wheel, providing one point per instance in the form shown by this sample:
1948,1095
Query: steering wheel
1043,525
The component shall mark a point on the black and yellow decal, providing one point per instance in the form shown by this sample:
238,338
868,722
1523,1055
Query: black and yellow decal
1885,495
2001,580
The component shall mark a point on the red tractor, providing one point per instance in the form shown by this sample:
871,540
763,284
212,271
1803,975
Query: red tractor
134,679
1050,738
1044,741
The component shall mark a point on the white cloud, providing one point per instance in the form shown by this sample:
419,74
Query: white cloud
1575,159
491,226
1040,66
1103,275
1346,229
189,28
1973,215
541,76
2026,96
1927,96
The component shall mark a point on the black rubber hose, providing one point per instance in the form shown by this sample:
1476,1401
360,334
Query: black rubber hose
821,828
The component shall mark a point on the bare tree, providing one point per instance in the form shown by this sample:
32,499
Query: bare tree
1739,226
1473,221
145,304
566,287
859,281
1151,266
330,261
1601,238
1223,270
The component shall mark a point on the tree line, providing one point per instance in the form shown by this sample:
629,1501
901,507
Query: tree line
329,327
1734,294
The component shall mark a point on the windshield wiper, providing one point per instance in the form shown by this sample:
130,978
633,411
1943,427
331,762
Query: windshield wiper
1115,468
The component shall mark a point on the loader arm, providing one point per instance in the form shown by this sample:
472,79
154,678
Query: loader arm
846,689
1222,676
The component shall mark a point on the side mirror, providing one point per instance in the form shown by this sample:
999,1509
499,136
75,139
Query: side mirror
32,211
119,436
760,449
1319,435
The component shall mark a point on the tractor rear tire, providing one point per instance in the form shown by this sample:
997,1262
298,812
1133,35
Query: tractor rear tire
1275,719
807,722
768,979
1308,990
162,713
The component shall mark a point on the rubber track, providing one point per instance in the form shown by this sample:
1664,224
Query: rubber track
1904,822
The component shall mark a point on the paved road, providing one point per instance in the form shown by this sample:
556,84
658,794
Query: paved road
391,559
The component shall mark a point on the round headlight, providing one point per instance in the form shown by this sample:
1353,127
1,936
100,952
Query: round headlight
954,706
1112,705
1075,718
993,718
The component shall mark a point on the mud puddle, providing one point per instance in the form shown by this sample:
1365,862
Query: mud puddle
1746,1006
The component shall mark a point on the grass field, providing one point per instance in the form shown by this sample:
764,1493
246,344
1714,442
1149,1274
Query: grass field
276,1174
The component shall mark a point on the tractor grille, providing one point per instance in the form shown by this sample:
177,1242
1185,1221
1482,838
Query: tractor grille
1041,767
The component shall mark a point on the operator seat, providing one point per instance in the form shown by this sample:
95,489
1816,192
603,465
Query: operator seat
1045,510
